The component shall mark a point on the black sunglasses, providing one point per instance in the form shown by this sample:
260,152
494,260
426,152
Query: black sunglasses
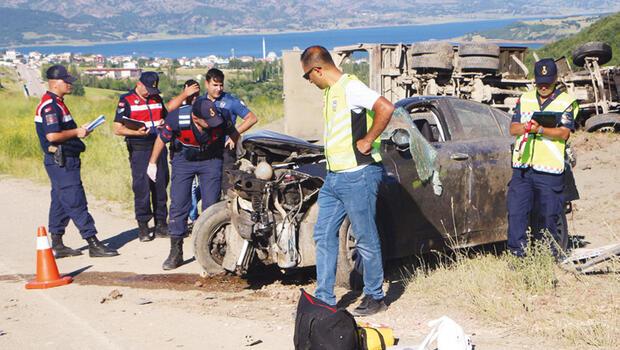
307,74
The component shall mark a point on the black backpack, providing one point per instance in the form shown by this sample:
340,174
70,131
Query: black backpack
319,326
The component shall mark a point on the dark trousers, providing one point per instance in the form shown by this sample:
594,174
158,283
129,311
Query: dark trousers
230,157
209,174
68,198
150,198
536,195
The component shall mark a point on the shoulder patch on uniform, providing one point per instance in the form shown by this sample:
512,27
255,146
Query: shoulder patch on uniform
47,109
51,118
241,101
121,104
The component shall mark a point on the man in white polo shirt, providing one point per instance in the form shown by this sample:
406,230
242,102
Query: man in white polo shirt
355,116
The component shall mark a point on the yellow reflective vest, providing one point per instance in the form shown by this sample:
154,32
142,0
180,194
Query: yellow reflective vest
539,152
344,127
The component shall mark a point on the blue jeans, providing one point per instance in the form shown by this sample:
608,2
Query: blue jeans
352,194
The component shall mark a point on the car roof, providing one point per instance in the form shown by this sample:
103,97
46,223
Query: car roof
416,99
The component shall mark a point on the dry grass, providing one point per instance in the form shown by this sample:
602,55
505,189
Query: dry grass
532,297
105,167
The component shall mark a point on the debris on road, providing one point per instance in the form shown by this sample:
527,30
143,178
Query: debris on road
588,260
115,294
144,301
250,341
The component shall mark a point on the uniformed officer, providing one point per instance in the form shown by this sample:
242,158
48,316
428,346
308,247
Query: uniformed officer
144,104
198,133
538,159
214,84
60,141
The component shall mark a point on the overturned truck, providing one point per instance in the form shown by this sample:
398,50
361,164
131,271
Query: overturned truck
491,74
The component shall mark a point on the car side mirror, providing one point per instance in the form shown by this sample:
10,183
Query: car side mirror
401,139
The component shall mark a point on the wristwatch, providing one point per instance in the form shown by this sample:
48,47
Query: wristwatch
540,130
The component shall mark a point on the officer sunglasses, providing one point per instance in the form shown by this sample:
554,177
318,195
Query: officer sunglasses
307,74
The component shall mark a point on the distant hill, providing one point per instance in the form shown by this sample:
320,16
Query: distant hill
606,29
541,30
28,22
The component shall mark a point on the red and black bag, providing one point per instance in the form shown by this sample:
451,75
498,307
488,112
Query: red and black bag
319,326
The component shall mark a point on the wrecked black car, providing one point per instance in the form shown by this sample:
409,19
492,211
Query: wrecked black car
448,165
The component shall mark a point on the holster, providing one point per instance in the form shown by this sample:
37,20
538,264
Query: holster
59,156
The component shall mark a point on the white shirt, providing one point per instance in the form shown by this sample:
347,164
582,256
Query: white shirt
359,96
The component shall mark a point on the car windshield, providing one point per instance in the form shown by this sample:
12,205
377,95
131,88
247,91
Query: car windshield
476,119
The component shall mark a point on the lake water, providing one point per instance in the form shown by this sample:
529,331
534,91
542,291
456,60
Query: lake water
251,45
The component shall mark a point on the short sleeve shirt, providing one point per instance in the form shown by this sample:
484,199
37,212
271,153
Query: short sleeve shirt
359,96
52,116
234,105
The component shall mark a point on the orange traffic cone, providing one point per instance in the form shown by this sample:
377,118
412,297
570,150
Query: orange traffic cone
47,271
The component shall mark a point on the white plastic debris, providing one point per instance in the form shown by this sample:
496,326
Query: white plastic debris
447,334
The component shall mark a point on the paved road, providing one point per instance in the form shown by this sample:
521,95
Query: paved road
75,317
32,78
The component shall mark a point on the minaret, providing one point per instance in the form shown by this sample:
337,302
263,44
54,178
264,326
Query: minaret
264,55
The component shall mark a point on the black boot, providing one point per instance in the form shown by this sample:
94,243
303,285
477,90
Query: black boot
175,259
60,249
161,230
143,232
96,249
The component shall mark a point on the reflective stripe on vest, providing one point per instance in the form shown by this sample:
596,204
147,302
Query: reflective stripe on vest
540,152
186,137
148,111
339,134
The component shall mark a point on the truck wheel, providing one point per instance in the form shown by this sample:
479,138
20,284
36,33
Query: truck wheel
432,62
429,47
349,269
209,237
597,49
479,49
479,63
609,122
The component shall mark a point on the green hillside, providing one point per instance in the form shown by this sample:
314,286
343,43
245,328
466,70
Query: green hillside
606,29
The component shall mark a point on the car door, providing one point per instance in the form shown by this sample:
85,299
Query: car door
482,135
418,215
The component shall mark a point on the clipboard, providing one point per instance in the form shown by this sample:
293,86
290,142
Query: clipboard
133,124
547,119
95,123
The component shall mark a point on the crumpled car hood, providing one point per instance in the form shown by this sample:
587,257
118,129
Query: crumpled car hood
266,141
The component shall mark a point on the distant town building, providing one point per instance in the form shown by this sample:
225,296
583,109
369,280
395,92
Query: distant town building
99,60
34,56
114,73
10,55
130,65
271,57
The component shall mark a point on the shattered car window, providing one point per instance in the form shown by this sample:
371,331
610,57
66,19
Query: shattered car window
423,154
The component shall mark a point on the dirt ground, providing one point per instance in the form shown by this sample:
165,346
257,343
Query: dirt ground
127,302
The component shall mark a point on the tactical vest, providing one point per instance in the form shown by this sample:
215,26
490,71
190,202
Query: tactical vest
344,127
187,138
148,111
541,153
